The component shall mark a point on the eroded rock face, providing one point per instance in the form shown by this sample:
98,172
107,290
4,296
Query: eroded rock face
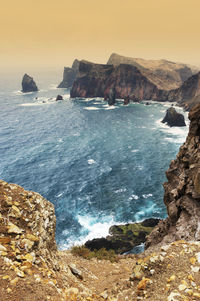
27,224
182,191
97,80
28,84
69,75
172,118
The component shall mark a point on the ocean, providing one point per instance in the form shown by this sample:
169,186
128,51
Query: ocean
98,165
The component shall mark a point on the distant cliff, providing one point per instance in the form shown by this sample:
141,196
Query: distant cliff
182,191
69,75
164,74
187,95
96,80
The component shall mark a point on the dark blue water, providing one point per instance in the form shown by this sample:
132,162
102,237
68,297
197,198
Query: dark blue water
97,165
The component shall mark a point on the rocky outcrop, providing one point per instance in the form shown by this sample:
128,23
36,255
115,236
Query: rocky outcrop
172,118
27,225
28,84
123,238
69,75
97,80
182,191
164,74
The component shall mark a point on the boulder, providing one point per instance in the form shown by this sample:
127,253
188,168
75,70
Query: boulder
28,84
124,238
172,118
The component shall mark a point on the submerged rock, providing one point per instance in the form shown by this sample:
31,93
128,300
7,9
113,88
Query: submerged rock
172,118
124,238
28,84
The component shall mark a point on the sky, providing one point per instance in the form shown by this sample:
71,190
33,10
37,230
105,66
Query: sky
52,33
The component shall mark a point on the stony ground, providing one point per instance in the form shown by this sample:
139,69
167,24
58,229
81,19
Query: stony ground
32,269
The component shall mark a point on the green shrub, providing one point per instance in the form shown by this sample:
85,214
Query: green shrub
99,254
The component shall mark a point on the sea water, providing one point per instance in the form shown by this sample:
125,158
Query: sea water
98,165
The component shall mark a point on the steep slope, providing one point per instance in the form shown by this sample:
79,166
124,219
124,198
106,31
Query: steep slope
96,80
164,74
182,191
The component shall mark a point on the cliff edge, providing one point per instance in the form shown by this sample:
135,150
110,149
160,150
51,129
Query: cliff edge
182,191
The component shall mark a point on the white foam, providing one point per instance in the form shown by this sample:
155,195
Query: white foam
91,108
146,196
120,190
91,161
135,150
95,229
133,197
110,108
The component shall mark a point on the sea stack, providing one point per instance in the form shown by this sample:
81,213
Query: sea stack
172,118
28,84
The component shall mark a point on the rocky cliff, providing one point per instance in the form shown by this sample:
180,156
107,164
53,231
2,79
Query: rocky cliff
69,75
164,74
182,191
187,95
97,80
28,84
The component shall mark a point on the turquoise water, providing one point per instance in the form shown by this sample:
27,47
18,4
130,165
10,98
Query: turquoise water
98,165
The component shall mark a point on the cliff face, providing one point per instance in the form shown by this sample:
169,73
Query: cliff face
182,191
69,75
187,95
164,74
97,80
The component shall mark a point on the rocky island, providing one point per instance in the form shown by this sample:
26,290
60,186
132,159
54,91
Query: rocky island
28,84
32,268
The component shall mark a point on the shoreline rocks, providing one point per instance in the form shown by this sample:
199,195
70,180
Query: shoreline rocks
123,238
28,84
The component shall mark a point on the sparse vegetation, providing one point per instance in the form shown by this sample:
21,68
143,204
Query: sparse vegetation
99,254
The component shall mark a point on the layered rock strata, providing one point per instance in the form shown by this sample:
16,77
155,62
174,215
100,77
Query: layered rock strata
182,191
69,75
28,84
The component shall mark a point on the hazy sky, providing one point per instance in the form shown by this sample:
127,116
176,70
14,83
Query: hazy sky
52,33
